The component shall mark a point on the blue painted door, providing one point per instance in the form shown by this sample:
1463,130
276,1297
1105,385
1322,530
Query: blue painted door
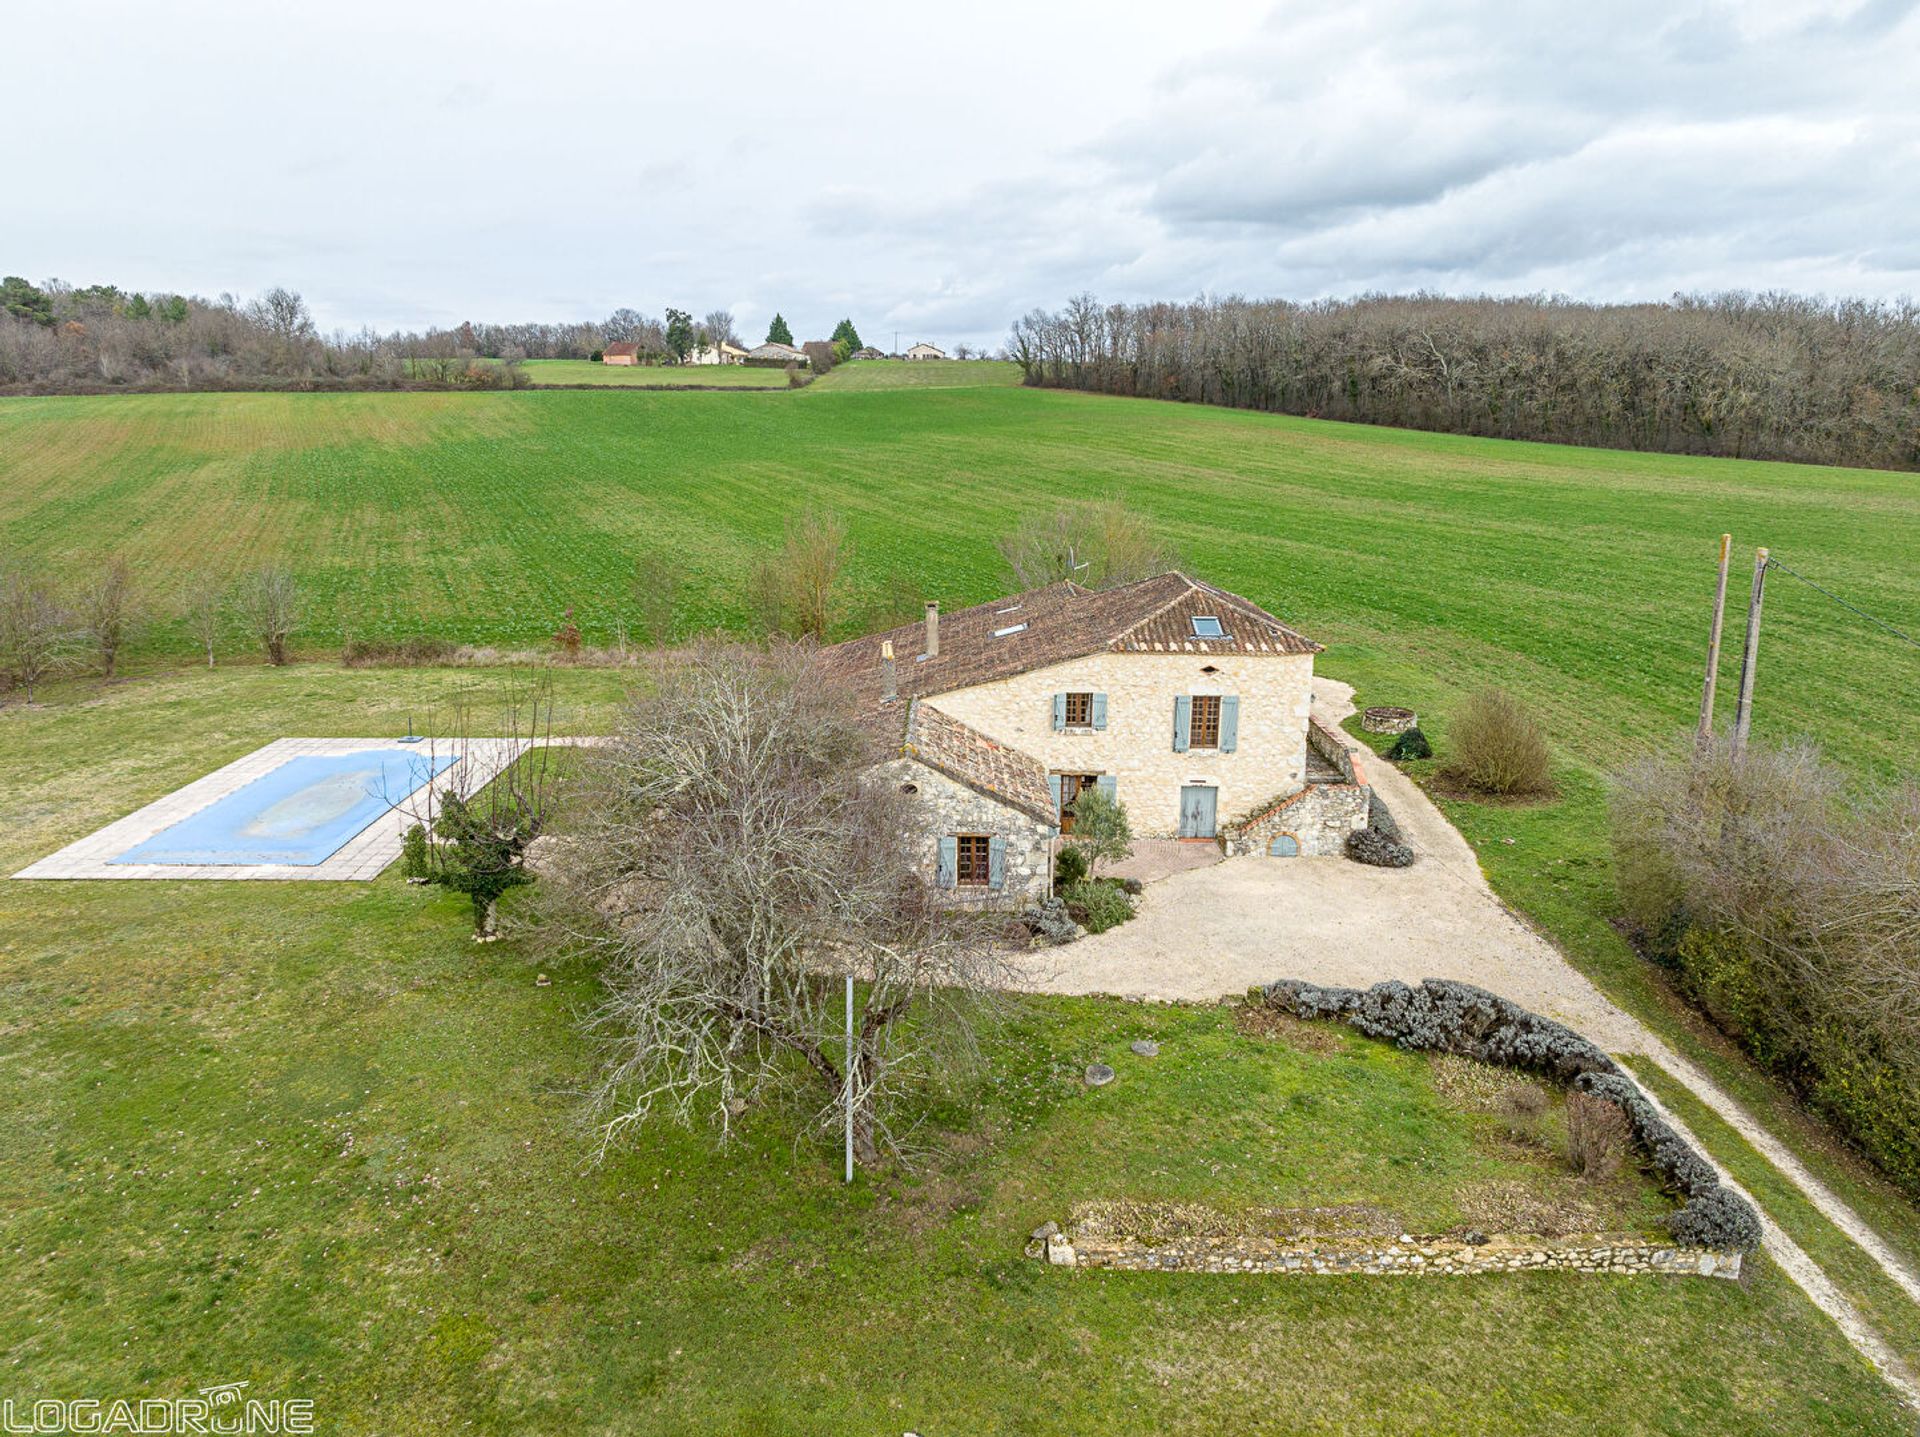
1197,809
1284,846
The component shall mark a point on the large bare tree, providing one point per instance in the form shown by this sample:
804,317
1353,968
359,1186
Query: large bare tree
733,858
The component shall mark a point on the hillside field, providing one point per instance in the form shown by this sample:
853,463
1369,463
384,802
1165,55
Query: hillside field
1428,564
619,376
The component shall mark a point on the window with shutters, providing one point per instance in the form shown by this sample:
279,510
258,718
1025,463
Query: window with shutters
973,860
1079,710
1203,729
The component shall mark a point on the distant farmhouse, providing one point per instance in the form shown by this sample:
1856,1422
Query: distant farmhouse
725,353
1185,702
621,353
869,352
773,349
923,350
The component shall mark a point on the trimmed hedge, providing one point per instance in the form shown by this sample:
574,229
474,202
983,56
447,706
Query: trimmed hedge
1444,1016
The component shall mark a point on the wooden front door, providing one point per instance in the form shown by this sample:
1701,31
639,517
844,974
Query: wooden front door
1072,785
1198,806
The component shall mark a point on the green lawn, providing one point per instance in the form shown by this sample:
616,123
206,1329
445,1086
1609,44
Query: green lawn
311,1137
586,371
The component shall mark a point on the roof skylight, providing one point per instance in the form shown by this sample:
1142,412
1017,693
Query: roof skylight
1010,629
1206,626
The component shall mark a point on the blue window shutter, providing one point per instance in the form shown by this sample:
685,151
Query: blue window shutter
1229,722
1099,710
1109,788
1182,722
1053,787
1059,712
996,862
948,863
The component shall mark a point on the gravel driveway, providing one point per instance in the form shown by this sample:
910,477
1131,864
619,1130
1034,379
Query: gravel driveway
1219,930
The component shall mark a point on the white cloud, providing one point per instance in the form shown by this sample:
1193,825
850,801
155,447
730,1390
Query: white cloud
940,172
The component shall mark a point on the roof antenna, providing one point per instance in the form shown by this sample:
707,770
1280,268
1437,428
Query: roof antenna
1073,568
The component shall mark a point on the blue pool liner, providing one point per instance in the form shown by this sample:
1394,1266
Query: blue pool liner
299,814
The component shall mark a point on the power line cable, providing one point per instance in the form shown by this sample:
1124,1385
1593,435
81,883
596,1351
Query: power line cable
1773,563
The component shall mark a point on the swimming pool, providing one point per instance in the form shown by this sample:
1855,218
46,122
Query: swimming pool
299,814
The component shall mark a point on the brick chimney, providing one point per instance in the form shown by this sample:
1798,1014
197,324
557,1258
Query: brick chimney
933,628
889,676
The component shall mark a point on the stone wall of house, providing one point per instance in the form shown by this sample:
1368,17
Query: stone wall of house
940,805
1409,1257
1319,818
1137,744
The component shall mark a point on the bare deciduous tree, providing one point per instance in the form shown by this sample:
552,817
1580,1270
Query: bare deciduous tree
797,590
733,859
204,608
719,327
38,634
1097,545
268,604
109,612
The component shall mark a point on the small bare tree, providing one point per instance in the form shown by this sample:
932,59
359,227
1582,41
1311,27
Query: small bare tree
734,858
109,612
205,610
1097,545
38,635
268,604
797,590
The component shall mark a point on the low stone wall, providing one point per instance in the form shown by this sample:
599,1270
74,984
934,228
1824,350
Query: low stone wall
1318,818
1409,1257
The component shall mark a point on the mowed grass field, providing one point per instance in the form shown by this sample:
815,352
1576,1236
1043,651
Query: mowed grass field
310,1137
720,376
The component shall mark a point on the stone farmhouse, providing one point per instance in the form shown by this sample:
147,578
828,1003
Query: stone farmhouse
1187,703
620,353
923,350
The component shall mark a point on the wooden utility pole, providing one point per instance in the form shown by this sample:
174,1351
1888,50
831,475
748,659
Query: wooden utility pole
1713,641
1743,715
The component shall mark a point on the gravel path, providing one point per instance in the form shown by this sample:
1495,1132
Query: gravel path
1217,931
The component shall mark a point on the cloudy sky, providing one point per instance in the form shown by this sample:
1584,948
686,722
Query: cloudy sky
937,171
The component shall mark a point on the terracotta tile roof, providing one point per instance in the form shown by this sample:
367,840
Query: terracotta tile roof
1062,621
968,756
621,348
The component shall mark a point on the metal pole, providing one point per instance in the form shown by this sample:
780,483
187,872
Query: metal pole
1743,715
1713,641
850,1077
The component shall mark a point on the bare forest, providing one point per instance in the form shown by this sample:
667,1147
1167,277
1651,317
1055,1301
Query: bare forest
55,338
1771,376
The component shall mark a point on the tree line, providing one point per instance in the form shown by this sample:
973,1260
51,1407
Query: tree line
1770,376
55,336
